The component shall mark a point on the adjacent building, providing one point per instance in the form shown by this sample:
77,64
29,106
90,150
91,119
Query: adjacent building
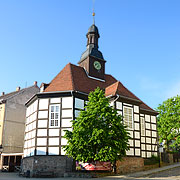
12,124
50,112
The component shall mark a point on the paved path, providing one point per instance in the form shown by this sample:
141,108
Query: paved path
170,172
166,172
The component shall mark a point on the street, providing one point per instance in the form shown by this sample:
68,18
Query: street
168,175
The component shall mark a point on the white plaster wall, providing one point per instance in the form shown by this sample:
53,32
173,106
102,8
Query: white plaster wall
43,104
53,132
143,147
143,154
136,109
137,152
67,102
154,141
153,126
42,123
148,126
136,117
154,134
53,141
148,140
136,126
66,113
42,132
130,152
43,114
153,119
41,141
143,139
55,100
66,123
148,147
137,135
147,118
148,133
137,143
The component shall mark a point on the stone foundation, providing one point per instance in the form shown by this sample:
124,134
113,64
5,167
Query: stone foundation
130,164
39,166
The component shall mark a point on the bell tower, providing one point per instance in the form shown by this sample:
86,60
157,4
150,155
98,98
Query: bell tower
92,59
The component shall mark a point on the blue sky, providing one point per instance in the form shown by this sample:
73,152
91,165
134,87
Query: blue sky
140,39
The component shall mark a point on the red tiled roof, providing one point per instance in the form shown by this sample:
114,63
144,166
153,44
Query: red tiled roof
118,88
74,78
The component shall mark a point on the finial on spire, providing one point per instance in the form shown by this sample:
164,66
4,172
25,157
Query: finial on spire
93,17
93,14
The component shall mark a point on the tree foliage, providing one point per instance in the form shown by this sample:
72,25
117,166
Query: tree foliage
98,132
169,122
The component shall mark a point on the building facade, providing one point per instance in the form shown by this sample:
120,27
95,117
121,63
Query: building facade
50,112
12,124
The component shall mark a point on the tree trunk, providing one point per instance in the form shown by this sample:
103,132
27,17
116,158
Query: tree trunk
114,167
167,145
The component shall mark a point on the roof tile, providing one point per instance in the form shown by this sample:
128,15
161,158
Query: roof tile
75,78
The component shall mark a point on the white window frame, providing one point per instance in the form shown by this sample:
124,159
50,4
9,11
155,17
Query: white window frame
56,120
143,126
127,124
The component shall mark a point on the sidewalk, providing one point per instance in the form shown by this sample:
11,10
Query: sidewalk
144,173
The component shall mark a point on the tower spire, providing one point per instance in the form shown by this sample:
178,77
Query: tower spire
93,17
93,13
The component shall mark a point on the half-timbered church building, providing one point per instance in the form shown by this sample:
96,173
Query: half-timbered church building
50,112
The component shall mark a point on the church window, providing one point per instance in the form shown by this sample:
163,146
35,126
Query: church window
142,126
54,115
128,117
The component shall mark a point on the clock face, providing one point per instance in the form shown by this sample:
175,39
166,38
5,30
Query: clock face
97,65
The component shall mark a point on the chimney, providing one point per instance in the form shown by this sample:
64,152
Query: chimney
35,83
18,88
3,93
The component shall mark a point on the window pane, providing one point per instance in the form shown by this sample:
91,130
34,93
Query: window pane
52,115
56,115
128,117
52,122
56,122
52,108
57,108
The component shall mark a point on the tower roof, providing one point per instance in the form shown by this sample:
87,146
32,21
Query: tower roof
92,44
93,29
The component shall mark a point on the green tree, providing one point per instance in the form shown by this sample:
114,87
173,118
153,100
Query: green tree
98,132
169,122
